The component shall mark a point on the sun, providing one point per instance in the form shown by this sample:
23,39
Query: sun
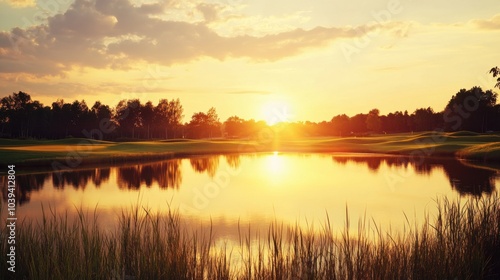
276,111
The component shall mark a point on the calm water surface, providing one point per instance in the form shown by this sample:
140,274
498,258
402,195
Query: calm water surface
258,189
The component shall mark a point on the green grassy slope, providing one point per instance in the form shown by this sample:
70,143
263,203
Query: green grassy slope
463,144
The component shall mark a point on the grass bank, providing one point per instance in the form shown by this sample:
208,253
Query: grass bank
461,242
76,152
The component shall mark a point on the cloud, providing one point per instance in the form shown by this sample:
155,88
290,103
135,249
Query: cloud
82,20
116,34
20,3
210,11
154,8
488,24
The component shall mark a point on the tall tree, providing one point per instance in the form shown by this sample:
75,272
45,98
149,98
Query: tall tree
234,127
19,116
340,124
213,122
198,126
358,123
204,124
176,114
423,119
168,117
373,122
79,118
147,115
128,116
469,110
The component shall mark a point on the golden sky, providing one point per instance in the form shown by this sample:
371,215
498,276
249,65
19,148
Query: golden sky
304,60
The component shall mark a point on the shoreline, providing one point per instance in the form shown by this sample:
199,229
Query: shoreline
79,152
45,165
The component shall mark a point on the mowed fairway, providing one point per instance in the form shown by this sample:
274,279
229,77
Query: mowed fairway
57,148
86,151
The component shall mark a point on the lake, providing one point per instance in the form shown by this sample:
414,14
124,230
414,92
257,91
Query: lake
256,189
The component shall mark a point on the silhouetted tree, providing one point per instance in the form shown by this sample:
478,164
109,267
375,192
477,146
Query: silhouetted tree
373,122
168,117
424,120
101,117
213,122
162,118
22,117
234,127
340,124
80,118
128,116
147,117
358,123
204,125
395,122
176,114
469,110
198,125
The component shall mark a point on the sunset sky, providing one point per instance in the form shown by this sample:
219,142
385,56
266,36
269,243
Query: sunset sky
300,60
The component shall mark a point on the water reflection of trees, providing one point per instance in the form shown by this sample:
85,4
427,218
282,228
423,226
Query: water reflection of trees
25,184
233,160
470,180
465,179
79,179
167,174
207,164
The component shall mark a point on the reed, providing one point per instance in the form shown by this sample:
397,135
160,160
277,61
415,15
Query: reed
461,242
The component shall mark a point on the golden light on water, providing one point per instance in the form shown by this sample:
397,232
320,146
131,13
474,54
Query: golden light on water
277,168
288,188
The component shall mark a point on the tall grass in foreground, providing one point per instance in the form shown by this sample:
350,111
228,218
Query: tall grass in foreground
461,242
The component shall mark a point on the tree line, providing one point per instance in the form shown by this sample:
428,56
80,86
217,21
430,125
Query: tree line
22,117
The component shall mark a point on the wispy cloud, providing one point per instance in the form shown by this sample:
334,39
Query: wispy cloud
20,3
488,24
